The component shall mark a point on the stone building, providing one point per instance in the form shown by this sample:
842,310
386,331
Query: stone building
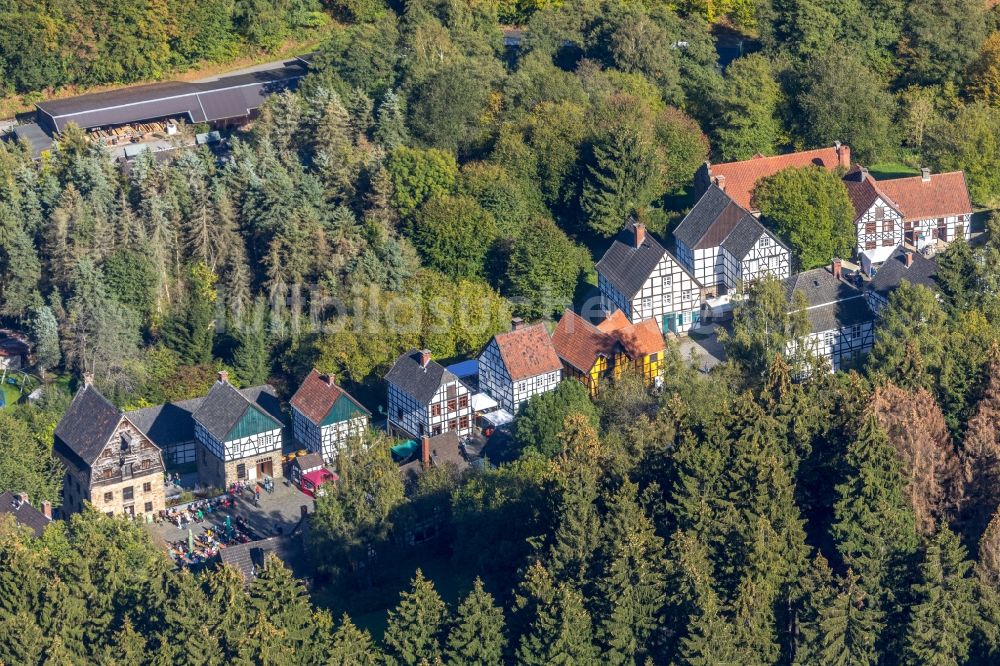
109,461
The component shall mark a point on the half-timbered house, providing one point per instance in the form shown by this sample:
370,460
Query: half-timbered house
325,416
902,264
920,210
740,178
723,245
592,354
639,277
519,364
425,399
841,324
109,462
239,434
878,221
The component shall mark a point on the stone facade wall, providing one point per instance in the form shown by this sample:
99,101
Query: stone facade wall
214,472
110,497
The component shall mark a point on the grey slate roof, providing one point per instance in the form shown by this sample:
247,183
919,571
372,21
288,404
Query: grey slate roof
894,270
87,425
248,558
35,136
23,513
626,266
706,212
743,237
419,382
717,220
308,461
167,424
832,303
224,406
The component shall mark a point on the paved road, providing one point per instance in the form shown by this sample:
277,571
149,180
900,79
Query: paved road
706,351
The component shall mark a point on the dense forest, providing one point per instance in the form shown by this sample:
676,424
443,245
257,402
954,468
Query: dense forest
423,185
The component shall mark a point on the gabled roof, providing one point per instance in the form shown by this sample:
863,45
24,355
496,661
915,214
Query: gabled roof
744,236
317,396
626,266
167,424
23,512
248,558
894,270
308,461
224,406
863,191
832,303
87,425
580,343
718,221
742,177
942,194
527,352
420,382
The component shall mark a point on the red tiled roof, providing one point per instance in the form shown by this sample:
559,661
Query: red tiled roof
942,195
742,177
528,352
580,343
863,190
641,339
614,322
317,395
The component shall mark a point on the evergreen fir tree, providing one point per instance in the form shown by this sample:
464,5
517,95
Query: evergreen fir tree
21,639
477,635
45,334
415,626
57,654
816,592
283,599
390,128
633,586
850,627
941,619
874,526
251,358
711,639
191,329
352,646
560,633
127,646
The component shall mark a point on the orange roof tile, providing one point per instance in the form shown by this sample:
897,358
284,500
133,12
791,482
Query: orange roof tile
580,343
641,339
317,395
528,352
742,177
918,199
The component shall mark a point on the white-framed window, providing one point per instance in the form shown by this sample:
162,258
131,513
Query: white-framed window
667,281
668,299
828,338
856,331
765,241
647,303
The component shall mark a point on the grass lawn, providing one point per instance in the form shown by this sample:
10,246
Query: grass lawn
887,170
368,608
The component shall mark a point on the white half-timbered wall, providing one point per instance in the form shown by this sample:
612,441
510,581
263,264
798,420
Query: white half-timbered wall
495,381
706,264
611,298
669,294
766,257
879,232
837,345
237,449
328,440
946,228
443,413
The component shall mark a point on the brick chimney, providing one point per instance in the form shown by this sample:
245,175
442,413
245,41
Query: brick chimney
862,173
47,509
908,258
425,452
21,498
88,379
327,378
223,376
836,267
720,180
425,357
843,154
516,324
925,174
640,233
